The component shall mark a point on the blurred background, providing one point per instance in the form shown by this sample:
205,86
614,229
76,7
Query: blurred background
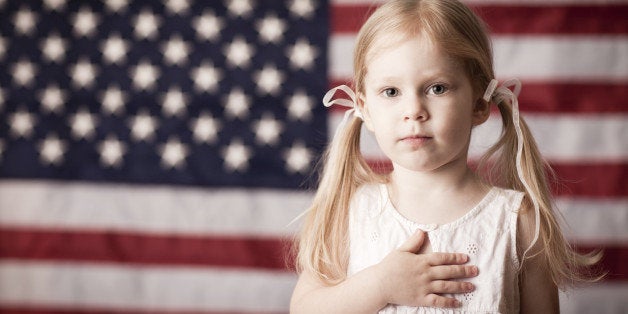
154,153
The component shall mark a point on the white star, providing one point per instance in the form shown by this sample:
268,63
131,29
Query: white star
205,128
267,130
300,106
113,100
143,127
114,49
177,6
116,5
271,29
24,73
85,22
206,77
175,51
302,55
238,53
174,102
54,5
268,80
146,24
52,99
83,124
173,153
236,156
53,48
208,26
241,8
302,8
298,158
237,104
25,21
22,123
144,75
3,47
52,150
111,152
83,73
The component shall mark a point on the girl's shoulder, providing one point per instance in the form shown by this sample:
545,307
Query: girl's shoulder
368,199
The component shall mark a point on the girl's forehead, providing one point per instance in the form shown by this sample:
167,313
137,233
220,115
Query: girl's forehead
381,46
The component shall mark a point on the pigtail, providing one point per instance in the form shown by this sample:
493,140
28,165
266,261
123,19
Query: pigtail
323,241
499,163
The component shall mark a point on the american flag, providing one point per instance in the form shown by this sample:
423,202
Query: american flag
153,153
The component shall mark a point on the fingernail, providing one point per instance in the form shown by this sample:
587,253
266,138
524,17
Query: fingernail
457,303
469,286
474,270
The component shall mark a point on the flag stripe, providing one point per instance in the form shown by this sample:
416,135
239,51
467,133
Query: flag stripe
177,251
609,214
257,292
128,288
244,213
529,58
135,248
564,97
515,19
564,138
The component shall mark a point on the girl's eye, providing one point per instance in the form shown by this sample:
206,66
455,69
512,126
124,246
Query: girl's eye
437,89
391,92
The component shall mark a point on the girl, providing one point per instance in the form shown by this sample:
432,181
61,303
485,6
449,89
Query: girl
424,78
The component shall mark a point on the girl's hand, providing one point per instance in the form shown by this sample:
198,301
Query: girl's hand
412,279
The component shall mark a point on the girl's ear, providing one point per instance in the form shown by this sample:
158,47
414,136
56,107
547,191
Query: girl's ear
481,111
365,112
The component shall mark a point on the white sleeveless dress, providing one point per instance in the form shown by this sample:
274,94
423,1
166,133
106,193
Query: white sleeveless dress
487,233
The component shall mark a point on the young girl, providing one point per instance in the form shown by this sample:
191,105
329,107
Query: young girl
423,79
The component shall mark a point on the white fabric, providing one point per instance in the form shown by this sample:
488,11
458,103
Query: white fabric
487,233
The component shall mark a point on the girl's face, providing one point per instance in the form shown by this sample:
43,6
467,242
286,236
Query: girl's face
420,105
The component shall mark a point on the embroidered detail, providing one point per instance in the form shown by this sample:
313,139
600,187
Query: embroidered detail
472,248
374,236
468,296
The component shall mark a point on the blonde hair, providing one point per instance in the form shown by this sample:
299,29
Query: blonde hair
323,240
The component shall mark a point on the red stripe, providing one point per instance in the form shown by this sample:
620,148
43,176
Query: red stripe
551,97
595,180
589,180
133,248
63,245
510,19
613,261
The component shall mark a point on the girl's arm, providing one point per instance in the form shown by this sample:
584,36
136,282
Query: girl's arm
538,292
403,277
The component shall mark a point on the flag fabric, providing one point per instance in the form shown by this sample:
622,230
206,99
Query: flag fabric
154,153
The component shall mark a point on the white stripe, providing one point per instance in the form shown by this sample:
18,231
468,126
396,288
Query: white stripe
601,298
595,221
560,137
601,221
262,213
115,287
110,286
571,58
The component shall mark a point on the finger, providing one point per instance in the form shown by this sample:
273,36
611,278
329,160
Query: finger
435,300
453,271
414,243
436,259
444,286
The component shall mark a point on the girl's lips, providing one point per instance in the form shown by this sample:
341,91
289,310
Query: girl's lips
415,140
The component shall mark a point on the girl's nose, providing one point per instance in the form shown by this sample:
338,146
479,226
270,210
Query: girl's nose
415,110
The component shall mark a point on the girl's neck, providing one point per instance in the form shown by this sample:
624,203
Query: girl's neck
435,197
